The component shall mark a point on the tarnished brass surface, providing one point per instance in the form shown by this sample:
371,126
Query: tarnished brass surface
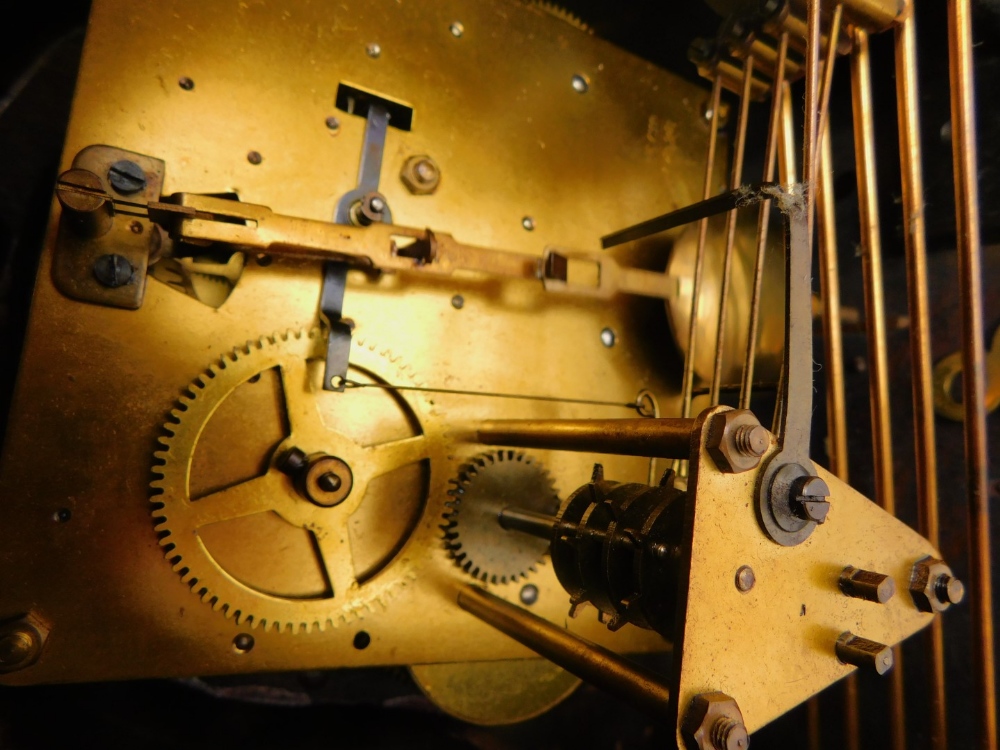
495,692
779,640
97,384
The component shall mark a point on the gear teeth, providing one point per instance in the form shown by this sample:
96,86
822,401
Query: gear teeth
166,487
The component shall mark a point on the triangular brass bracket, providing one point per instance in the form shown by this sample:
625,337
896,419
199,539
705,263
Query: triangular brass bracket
773,646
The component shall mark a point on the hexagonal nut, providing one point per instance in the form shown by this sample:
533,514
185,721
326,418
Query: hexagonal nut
933,586
714,722
421,175
21,641
737,441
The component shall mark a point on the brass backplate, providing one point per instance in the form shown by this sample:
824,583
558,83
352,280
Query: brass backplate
497,110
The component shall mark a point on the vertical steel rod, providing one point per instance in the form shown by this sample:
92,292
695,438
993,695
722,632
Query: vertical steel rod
864,146
812,110
687,385
964,147
763,220
727,264
908,108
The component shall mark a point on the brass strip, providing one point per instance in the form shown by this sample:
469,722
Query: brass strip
908,108
662,438
763,220
964,148
586,660
864,140
827,82
787,171
727,265
713,132
829,280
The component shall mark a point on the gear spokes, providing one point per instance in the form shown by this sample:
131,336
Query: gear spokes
318,494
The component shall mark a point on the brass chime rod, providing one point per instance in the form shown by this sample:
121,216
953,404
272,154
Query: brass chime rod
908,108
827,83
588,661
964,148
864,139
661,438
763,220
735,181
713,132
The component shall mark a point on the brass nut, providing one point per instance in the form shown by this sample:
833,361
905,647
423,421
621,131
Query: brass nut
21,642
933,586
737,441
421,175
714,722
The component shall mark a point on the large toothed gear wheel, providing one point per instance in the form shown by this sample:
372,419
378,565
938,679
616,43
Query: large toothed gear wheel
273,549
485,486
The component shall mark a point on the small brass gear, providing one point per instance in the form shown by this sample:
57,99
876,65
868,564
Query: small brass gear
485,486
183,521
562,14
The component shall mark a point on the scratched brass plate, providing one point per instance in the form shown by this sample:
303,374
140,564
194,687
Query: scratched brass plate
496,109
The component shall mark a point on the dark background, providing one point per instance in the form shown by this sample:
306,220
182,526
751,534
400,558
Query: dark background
39,54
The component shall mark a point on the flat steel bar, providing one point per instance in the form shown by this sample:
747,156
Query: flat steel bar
763,221
659,438
970,271
727,261
925,444
588,661
864,147
687,382
702,210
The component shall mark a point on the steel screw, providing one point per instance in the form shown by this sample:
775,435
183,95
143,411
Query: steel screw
729,734
127,177
254,157
580,84
373,50
333,123
713,721
811,493
752,440
608,337
377,205
113,271
528,223
949,589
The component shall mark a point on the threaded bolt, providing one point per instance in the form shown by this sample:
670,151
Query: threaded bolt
949,589
751,440
729,734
